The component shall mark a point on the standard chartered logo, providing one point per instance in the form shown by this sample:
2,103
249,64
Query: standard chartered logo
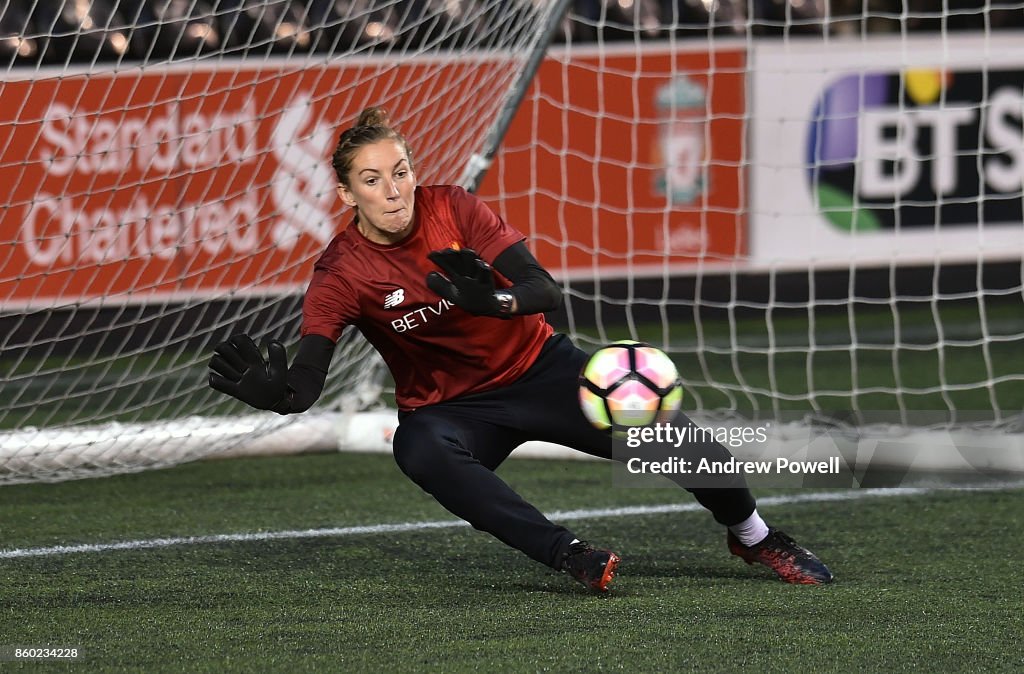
303,187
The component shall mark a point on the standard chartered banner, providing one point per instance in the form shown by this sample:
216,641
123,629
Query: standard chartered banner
175,182
154,183
887,150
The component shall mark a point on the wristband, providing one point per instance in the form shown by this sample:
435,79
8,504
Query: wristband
505,302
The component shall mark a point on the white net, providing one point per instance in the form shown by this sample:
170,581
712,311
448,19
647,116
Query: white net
166,179
815,207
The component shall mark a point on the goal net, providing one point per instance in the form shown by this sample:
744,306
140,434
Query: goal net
814,207
166,180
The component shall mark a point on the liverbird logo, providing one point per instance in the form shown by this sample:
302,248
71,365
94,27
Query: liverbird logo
304,186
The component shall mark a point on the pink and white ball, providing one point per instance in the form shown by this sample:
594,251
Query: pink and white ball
628,384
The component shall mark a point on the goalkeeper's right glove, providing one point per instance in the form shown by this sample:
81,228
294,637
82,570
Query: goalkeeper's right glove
468,282
239,369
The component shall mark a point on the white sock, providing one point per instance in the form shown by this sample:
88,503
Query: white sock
750,531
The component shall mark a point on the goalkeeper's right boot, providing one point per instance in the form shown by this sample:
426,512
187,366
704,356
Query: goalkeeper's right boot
787,558
590,566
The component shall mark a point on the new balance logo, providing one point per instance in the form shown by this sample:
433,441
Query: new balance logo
394,299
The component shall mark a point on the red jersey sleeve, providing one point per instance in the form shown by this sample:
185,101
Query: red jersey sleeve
485,231
329,305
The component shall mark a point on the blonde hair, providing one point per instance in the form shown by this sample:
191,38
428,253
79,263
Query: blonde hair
372,125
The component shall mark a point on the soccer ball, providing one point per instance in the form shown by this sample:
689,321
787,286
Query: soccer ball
628,384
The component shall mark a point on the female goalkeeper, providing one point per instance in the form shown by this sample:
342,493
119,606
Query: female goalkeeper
478,371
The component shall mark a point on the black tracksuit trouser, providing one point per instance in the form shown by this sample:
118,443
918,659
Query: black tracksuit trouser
452,449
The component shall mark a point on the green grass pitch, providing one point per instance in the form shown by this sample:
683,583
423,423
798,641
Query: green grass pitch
927,580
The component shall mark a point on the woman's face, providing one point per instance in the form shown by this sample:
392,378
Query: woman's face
381,187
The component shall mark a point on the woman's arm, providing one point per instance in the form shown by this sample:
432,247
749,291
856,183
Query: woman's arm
532,286
307,374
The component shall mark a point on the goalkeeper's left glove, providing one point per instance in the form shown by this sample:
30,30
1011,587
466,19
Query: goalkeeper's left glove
468,283
239,369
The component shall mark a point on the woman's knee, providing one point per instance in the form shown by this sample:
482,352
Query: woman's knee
424,447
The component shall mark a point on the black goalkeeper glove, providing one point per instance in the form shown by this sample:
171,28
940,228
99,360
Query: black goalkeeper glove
468,282
238,369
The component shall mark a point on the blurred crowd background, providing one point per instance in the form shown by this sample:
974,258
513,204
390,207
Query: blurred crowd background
622,19
36,32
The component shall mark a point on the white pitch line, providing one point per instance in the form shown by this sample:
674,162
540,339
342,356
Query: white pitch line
558,516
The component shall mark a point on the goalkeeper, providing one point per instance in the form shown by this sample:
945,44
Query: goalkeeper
452,299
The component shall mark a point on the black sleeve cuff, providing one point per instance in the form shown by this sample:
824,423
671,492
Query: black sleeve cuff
307,375
534,289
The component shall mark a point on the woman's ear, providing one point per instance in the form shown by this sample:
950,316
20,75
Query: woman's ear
346,195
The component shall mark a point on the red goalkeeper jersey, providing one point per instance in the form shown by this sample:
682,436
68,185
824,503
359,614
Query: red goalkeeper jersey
435,350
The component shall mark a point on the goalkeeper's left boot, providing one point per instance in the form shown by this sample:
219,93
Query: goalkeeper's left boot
784,556
593,567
